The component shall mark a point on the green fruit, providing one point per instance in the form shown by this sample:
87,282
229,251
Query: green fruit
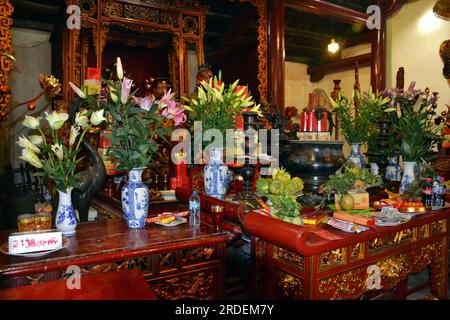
281,175
276,187
346,202
298,182
262,185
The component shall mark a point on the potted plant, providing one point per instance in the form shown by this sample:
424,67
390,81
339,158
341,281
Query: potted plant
414,121
349,179
134,125
215,108
57,154
356,116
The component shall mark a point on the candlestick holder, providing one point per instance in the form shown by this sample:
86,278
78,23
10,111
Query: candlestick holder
248,170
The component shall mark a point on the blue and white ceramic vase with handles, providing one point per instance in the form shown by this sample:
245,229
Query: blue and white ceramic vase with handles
216,174
65,215
408,175
356,156
135,200
393,170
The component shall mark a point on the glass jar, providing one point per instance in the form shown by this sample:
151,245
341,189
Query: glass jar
43,221
26,223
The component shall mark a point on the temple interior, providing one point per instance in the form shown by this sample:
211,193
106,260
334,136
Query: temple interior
224,150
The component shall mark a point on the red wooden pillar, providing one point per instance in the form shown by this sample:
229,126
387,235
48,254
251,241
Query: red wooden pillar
276,54
378,61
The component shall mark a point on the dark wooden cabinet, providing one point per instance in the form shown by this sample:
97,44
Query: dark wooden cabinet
177,262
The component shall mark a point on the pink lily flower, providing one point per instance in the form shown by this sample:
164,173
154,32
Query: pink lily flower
125,90
165,100
174,111
145,103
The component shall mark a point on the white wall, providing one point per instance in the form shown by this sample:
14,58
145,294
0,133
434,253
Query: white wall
414,35
32,51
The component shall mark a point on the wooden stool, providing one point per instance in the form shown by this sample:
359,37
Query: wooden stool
121,285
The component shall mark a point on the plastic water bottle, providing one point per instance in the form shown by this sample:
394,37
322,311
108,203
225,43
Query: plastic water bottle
194,210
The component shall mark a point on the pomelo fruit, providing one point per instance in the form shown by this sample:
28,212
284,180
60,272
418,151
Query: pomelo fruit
346,202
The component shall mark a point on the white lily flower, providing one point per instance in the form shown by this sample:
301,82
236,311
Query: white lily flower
77,90
36,139
113,96
56,120
97,117
30,157
74,132
27,144
58,150
119,69
81,119
31,122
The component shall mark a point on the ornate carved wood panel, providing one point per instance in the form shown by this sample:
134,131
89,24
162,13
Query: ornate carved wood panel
183,20
6,10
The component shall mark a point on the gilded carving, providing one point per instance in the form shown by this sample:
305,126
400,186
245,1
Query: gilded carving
357,251
394,269
197,255
290,286
88,7
439,226
346,285
332,258
141,13
189,286
169,18
6,62
401,237
261,5
190,25
423,232
112,8
167,261
289,257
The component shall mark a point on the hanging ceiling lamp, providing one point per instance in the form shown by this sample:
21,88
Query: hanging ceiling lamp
442,9
333,46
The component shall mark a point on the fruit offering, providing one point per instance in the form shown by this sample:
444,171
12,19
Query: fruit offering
282,191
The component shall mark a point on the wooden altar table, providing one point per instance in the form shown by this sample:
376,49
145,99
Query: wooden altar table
177,262
321,262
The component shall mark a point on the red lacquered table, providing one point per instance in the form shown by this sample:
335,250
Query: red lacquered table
321,262
122,285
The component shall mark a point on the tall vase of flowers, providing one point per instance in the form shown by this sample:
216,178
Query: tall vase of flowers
356,117
413,116
57,156
213,111
135,124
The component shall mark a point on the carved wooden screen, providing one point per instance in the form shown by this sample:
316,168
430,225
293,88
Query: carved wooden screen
6,10
184,20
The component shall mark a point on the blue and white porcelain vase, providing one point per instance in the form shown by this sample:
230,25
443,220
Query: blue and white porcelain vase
408,175
393,170
356,156
216,174
135,200
65,215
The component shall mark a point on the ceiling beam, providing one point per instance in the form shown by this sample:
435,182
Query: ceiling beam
35,7
327,9
299,47
366,37
318,72
307,34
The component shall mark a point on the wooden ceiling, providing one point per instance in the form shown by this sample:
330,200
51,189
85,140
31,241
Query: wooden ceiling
229,22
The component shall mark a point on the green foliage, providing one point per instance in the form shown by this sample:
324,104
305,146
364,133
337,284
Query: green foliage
282,191
133,133
356,124
344,179
216,106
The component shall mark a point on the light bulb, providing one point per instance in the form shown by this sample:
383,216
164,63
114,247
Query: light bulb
333,46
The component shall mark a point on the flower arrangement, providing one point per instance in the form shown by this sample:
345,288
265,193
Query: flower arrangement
135,122
54,152
217,105
355,122
413,117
